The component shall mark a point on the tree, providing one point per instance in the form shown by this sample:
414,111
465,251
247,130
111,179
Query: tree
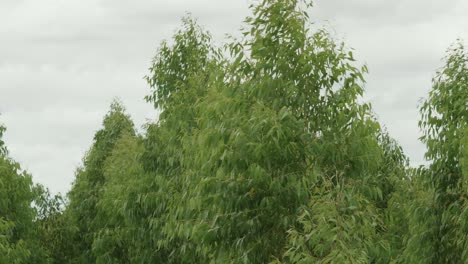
53,229
250,142
118,240
178,79
444,119
17,228
87,188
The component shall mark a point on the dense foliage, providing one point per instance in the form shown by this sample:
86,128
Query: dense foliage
264,152
441,223
19,242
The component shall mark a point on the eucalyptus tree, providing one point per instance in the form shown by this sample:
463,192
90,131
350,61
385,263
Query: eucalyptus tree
178,79
3,149
87,187
263,135
117,240
53,228
18,243
440,218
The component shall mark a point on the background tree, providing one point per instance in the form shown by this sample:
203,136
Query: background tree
18,242
53,226
179,78
444,122
87,188
119,240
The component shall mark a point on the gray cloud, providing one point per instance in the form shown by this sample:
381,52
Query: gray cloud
62,62
381,13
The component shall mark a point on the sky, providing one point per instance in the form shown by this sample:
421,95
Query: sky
62,63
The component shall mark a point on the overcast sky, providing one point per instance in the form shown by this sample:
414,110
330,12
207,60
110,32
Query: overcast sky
62,62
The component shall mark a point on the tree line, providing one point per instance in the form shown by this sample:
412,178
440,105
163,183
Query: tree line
264,152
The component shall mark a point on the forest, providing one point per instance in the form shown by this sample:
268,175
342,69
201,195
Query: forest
264,152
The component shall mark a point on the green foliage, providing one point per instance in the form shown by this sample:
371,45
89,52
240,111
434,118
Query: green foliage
444,207
53,229
117,239
464,157
174,66
2,144
87,188
445,117
18,243
16,215
338,226
179,77
240,144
